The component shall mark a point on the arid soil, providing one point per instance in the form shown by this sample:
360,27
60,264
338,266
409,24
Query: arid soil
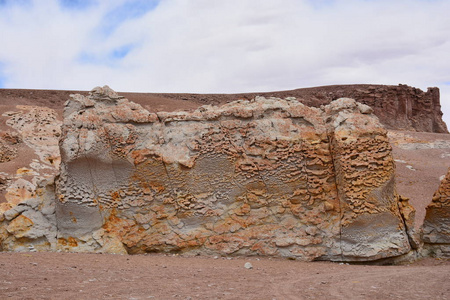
421,159
97,276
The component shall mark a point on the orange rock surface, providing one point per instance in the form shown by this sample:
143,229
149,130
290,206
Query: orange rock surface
264,177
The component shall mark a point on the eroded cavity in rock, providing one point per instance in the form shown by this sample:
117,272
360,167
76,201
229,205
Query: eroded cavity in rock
265,177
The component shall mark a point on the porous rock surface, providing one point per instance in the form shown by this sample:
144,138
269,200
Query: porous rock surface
265,177
30,161
436,227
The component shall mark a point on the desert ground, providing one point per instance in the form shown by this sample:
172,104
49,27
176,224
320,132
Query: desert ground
157,276
421,158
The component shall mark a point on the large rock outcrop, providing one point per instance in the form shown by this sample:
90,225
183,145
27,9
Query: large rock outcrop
29,162
436,227
266,176
399,107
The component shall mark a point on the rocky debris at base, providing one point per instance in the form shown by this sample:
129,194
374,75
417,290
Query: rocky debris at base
248,265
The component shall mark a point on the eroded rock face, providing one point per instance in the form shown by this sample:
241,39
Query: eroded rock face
370,208
31,224
436,227
30,158
399,107
267,176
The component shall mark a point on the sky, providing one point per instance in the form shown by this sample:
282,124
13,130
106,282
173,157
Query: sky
224,46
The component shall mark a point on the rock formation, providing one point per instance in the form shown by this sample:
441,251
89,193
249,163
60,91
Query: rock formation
266,177
29,154
263,176
30,161
398,107
436,227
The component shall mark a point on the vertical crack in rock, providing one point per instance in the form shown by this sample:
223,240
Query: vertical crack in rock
341,215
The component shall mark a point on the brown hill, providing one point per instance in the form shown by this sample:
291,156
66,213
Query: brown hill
399,107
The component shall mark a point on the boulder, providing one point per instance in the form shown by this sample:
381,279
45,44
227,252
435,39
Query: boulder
265,176
436,226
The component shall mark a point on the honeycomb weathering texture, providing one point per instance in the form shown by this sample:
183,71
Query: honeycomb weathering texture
436,227
265,177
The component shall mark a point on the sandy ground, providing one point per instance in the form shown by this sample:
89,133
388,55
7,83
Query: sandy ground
421,160
101,276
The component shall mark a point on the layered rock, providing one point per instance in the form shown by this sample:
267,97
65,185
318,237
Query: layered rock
398,107
436,227
266,176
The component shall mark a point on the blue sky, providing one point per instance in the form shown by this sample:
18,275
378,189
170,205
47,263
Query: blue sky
2,75
110,58
214,46
128,10
77,4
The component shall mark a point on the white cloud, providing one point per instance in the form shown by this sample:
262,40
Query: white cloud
227,46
